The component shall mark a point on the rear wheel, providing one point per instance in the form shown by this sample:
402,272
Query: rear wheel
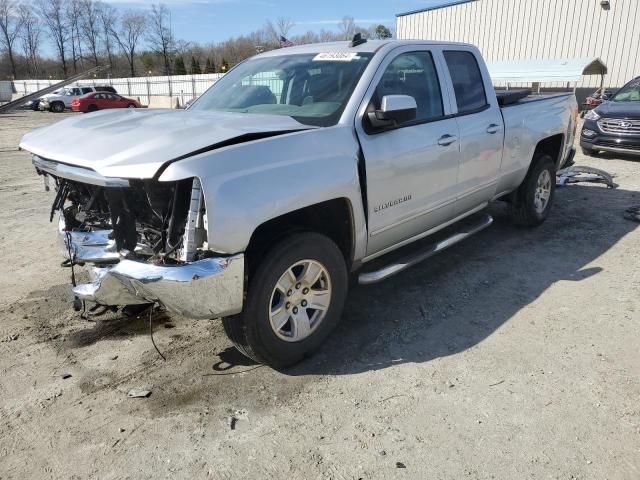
131,105
293,302
57,107
534,198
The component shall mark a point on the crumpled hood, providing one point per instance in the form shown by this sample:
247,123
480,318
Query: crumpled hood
619,109
135,143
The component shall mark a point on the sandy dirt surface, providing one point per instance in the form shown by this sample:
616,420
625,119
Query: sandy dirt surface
514,355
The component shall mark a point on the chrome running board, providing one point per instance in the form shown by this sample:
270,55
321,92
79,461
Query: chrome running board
410,260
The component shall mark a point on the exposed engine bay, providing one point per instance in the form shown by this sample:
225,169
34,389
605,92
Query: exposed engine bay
158,222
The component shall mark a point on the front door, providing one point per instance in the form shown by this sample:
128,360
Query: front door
412,168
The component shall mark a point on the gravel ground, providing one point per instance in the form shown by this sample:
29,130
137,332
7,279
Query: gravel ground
514,355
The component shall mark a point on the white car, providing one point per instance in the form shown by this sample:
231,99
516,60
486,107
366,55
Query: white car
61,99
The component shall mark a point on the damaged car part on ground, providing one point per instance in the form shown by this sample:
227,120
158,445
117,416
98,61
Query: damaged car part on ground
146,243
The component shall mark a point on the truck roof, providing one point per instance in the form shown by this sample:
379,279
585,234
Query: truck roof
369,46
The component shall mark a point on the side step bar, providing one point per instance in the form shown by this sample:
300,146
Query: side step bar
410,260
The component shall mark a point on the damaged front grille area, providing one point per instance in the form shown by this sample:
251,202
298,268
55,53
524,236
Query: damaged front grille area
148,220
145,243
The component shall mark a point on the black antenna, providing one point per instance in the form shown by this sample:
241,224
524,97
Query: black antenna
358,40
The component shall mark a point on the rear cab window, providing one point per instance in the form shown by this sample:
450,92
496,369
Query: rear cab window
467,80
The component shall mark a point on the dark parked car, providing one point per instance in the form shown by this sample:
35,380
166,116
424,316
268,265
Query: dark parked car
614,126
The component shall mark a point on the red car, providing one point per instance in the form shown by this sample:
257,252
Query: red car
102,101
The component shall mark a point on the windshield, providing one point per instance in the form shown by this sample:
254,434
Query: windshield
311,88
629,93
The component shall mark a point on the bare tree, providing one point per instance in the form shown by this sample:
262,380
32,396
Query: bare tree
90,27
108,20
30,37
73,13
52,14
280,28
347,27
130,29
160,37
10,26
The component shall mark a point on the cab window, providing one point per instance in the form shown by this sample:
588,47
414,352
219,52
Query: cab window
413,74
467,81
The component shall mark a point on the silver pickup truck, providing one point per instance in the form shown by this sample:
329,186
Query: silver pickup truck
297,168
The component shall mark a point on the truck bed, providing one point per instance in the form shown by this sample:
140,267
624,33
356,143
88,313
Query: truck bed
526,122
509,98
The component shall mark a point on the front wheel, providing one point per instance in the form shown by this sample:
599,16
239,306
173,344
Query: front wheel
294,300
57,107
534,198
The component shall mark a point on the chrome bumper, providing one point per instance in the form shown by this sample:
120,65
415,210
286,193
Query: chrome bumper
209,288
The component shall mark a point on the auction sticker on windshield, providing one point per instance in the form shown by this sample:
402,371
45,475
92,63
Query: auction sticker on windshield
335,56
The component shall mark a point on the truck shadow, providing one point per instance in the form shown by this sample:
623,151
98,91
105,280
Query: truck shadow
460,297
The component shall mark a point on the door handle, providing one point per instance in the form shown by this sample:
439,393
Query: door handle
493,128
446,140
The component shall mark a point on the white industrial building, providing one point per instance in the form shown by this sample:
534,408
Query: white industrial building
539,29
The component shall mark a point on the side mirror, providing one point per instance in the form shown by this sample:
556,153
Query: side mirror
394,110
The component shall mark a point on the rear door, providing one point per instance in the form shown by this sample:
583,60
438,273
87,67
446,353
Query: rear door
480,125
100,101
412,168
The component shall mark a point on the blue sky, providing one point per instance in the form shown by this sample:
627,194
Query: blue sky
216,20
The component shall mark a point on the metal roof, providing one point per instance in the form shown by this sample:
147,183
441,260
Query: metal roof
551,70
444,4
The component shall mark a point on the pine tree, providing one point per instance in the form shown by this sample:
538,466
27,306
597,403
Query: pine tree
195,66
179,67
210,67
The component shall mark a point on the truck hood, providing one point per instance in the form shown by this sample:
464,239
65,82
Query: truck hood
619,109
135,143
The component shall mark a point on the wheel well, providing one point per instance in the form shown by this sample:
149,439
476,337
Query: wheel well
551,146
332,218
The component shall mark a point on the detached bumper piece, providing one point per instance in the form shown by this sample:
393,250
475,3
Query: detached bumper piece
97,246
208,288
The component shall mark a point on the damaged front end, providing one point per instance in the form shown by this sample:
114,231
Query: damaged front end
144,242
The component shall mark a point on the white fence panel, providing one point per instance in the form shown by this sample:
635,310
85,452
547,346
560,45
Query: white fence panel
181,87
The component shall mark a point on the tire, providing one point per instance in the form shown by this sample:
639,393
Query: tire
528,207
252,332
92,108
131,105
57,107
588,152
